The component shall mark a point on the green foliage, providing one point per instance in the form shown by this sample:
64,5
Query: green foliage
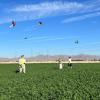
47,82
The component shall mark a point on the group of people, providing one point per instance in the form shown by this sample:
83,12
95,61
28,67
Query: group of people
22,62
61,63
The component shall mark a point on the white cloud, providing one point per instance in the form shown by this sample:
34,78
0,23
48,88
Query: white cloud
46,9
91,9
41,10
82,17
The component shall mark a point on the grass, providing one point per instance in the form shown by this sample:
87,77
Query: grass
47,82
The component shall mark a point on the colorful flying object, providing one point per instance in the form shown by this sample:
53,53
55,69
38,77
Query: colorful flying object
40,23
13,24
76,42
25,38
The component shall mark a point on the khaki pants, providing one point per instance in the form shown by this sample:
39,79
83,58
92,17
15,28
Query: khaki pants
22,68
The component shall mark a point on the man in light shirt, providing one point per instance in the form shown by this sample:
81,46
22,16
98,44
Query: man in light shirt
70,62
22,62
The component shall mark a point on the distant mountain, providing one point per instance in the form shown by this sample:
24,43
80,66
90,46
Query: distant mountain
80,57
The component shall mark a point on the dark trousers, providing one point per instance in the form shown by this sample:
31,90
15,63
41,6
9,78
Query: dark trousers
70,64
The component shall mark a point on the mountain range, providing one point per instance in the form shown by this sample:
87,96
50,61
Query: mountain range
80,57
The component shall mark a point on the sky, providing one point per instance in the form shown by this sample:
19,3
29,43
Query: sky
63,23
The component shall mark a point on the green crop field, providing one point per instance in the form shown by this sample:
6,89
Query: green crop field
47,82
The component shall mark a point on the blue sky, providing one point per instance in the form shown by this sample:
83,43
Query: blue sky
64,22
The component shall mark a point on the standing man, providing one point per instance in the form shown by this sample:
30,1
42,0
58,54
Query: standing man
22,62
70,62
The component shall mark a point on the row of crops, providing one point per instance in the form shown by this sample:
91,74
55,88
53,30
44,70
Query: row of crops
47,82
